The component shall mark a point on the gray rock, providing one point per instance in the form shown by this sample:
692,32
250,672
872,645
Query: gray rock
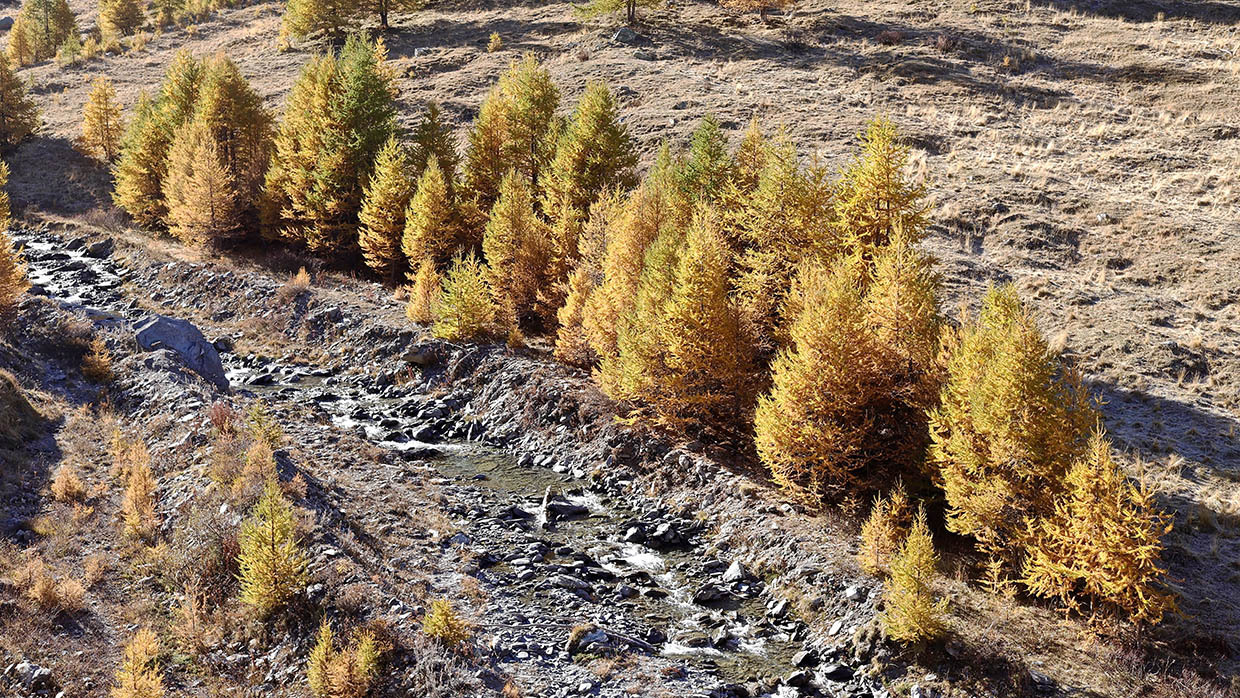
570,582
710,593
624,35
804,658
736,572
6,23
837,672
101,249
199,355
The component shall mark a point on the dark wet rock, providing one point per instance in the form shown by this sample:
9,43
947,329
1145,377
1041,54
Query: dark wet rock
101,249
710,593
799,679
805,659
837,672
182,337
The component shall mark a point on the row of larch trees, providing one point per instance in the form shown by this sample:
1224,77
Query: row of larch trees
732,292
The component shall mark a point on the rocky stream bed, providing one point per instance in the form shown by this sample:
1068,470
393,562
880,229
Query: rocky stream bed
550,519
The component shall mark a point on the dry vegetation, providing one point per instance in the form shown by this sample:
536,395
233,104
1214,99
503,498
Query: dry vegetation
1086,159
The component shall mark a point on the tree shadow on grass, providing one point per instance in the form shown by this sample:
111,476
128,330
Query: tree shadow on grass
50,175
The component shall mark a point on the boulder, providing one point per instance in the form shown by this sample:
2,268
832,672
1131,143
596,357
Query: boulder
199,355
6,23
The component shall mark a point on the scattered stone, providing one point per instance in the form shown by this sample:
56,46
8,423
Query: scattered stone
624,35
182,337
837,672
736,572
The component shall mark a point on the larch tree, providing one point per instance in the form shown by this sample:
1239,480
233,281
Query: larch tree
708,357
5,211
598,8
238,123
43,26
203,200
515,247
339,115
708,167
912,614
572,345
424,293
382,217
433,138
19,117
139,674
877,194
484,165
430,232
102,124
119,18
13,279
1098,551
271,560
1011,421
303,18
466,310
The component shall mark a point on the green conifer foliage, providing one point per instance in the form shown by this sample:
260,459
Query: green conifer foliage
433,138
40,28
708,167
877,195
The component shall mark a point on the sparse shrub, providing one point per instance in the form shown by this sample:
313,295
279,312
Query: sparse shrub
19,117
67,485
346,672
46,591
71,51
97,362
466,310
424,294
912,615
338,116
102,125
382,217
139,674
884,530
262,426
258,468
272,563
223,418
1012,420
444,625
138,505
13,281
495,43
1101,544
38,30
296,285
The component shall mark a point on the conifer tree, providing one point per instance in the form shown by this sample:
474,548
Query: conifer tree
238,123
19,117
430,221
42,26
912,614
884,530
70,52
119,18
332,18
572,345
5,211
102,125
13,279
1099,550
382,216
515,129
785,223
139,675
876,195
139,172
750,158
339,115
433,138
466,310
424,294
383,8
594,154
138,505
515,246
273,565
708,167
653,207
203,200
708,356
1012,420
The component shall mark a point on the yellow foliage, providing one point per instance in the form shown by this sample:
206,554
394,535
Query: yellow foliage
912,615
139,675
1011,422
5,210
138,505
877,195
19,117
272,563
13,281
382,216
1099,550
515,244
119,18
430,222
571,345
884,529
424,294
203,201
495,43
262,426
40,27
443,624
67,485
466,310
97,362
102,125
348,672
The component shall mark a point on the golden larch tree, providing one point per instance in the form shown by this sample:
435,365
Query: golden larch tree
1012,420
19,117
424,294
877,194
102,124
382,218
119,18
40,28
912,614
430,232
272,562
204,203
515,247
1098,551
139,675
13,279
5,211
466,310
884,530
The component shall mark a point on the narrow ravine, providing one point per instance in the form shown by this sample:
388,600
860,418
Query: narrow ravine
553,548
